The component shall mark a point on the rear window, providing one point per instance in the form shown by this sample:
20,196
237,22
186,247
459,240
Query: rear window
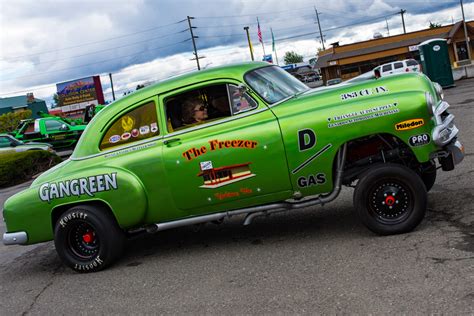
398,65
412,62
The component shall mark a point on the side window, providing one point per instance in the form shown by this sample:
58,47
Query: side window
206,104
138,124
52,125
387,68
240,101
4,142
412,62
398,65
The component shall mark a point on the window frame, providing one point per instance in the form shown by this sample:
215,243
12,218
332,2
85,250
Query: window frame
398,63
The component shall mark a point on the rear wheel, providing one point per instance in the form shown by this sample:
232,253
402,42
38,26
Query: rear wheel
88,238
390,199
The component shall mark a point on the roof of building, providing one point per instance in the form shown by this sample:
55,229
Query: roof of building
18,101
381,44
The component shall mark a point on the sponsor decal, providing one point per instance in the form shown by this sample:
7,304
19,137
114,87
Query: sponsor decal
409,124
114,138
126,136
134,132
127,123
128,150
218,177
363,115
215,144
363,93
306,139
144,129
419,140
77,187
227,195
311,180
154,127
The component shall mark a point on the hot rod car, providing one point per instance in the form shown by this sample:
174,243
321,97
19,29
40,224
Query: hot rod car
264,143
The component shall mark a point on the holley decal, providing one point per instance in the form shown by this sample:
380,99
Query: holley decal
77,187
215,144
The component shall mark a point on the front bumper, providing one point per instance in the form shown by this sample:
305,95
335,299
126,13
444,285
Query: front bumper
18,238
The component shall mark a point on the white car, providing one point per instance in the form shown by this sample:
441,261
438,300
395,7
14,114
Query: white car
9,143
407,65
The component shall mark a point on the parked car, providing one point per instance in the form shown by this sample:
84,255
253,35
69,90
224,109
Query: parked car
8,143
334,81
407,65
246,139
52,130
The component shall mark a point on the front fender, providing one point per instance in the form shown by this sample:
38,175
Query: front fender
31,210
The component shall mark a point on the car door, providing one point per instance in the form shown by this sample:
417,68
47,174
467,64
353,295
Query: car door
387,69
229,161
398,67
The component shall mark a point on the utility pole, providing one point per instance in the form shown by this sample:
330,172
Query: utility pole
465,33
388,29
194,43
319,26
112,86
402,12
246,28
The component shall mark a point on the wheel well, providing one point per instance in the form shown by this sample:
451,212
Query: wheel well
59,210
365,151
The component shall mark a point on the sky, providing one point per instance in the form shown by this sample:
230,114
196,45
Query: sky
44,42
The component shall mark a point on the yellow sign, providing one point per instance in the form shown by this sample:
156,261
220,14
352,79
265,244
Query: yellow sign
127,123
409,124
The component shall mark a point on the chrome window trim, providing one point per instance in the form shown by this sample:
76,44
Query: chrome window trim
115,149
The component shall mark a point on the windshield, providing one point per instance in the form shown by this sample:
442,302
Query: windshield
274,84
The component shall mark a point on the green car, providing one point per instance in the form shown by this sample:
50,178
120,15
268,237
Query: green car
52,130
246,139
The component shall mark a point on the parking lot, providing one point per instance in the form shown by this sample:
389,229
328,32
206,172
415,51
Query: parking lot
318,260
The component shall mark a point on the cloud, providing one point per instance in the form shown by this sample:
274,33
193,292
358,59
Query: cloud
45,42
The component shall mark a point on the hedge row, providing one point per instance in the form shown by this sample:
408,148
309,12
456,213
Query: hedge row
19,167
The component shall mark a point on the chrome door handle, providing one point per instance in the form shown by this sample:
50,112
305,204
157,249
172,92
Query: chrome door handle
172,140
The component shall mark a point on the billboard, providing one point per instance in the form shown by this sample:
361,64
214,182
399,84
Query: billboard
77,94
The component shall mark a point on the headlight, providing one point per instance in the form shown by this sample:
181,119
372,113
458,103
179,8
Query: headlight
439,90
429,102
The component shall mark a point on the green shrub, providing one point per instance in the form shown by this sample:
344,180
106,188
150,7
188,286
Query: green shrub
9,121
19,167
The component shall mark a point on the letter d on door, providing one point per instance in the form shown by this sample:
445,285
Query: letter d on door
306,139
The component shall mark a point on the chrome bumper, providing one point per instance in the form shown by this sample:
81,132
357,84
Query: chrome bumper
18,238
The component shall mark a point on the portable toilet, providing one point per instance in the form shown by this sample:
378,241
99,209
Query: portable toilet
435,61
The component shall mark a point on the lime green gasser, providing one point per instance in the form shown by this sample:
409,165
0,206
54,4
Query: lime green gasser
279,151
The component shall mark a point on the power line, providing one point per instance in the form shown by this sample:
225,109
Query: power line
95,42
95,63
103,50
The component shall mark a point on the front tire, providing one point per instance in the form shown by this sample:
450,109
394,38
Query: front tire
390,199
88,238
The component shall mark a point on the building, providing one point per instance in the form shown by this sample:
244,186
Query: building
348,61
21,103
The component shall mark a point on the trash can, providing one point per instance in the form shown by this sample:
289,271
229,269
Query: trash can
435,61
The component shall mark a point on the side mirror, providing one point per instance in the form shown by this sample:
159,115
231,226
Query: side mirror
64,127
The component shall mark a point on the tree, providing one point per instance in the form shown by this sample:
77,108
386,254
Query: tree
140,86
55,100
434,25
9,121
292,58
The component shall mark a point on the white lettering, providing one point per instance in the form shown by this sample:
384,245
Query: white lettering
111,181
44,192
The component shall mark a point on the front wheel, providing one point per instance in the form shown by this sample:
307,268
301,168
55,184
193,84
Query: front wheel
88,238
390,199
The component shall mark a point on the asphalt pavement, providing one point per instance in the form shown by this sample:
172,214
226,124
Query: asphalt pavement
320,260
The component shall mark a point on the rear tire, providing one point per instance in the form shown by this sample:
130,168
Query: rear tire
390,199
88,238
